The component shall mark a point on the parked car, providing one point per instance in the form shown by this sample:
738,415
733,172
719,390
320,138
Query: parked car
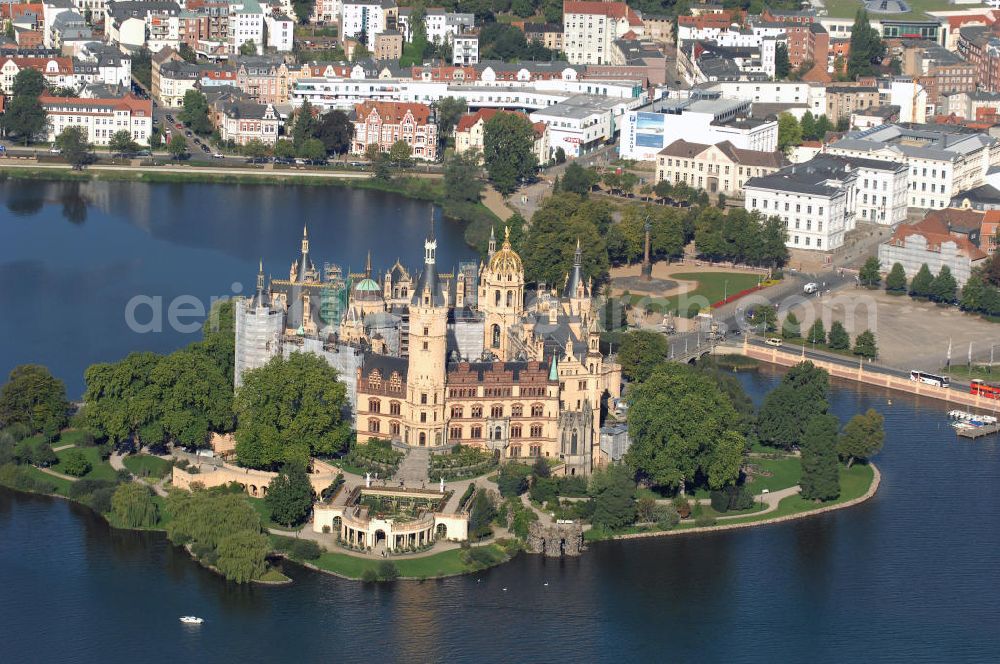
204,148
55,150
810,288
217,155
179,125
773,341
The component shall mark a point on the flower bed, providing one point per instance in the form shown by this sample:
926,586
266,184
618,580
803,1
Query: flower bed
462,462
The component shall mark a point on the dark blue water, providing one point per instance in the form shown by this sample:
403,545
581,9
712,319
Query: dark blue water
912,575
73,255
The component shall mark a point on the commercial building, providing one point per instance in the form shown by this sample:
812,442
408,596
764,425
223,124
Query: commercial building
701,118
100,118
930,242
581,123
718,169
590,28
942,160
939,71
384,123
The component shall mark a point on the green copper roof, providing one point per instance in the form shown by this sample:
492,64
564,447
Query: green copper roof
368,285
554,370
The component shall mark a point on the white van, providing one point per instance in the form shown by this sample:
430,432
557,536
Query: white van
773,341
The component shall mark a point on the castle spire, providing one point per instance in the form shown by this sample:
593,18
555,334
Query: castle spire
260,283
493,242
575,277
305,240
368,264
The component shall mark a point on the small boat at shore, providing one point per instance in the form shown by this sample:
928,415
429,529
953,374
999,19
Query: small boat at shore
192,620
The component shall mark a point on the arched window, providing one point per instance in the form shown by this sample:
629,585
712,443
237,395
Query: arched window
495,335
375,379
456,433
394,407
517,410
394,428
537,410
477,410
373,425
498,433
496,298
572,445
395,382
456,411
510,298
496,410
374,406
515,431
423,439
536,430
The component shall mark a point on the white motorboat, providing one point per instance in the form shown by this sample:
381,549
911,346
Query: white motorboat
192,620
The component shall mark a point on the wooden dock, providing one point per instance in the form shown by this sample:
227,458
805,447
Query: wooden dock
979,432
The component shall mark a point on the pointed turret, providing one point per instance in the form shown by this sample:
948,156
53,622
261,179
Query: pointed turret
306,270
260,283
554,368
428,290
575,278
493,243
368,264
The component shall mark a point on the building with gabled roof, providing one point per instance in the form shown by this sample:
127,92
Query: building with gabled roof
382,123
721,168
101,118
470,133
932,242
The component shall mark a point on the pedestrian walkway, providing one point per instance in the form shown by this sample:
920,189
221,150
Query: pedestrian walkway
413,468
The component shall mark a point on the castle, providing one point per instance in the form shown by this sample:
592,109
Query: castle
471,357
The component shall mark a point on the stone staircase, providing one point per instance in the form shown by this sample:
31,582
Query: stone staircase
413,468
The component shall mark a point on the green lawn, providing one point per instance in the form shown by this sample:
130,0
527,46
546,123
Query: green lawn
712,286
62,486
101,470
146,465
264,510
981,371
441,564
848,8
785,473
802,341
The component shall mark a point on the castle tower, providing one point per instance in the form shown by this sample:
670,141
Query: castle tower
577,291
303,269
501,297
425,380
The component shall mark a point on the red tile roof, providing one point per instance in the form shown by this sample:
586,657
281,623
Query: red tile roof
610,9
467,122
128,102
935,230
14,11
392,112
65,64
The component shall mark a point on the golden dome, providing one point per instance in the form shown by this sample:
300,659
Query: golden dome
506,261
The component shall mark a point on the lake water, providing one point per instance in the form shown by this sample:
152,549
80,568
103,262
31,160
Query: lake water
911,575
72,256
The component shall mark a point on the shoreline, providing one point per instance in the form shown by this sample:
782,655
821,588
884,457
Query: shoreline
870,493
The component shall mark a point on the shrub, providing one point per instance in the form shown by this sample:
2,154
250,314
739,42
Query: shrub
513,480
666,517
544,489
369,575
304,549
201,550
75,464
482,557
326,529
682,506
704,521
132,506
100,500
19,478
387,571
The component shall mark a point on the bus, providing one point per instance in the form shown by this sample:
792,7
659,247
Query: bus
984,389
929,378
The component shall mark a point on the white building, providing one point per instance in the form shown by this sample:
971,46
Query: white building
101,118
113,66
590,28
648,129
792,93
881,190
364,16
246,24
815,200
942,160
465,49
50,10
441,25
582,123
280,32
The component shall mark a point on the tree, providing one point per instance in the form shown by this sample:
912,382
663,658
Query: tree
188,53
290,496
304,126
808,125
817,333
862,438
288,410
155,139
177,147
255,149
121,143
789,132
922,283
549,247
578,179
242,555
508,150
641,352
381,166
781,64
866,49
802,394
865,346
540,469
248,48
28,82
823,127
284,149
195,113
820,478
612,491
24,117
944,288
32,397
790,328
303,9
449,111
75,463
461,181
512,481
336,131
132,506
312,149
870,274
481,516
72,142
400,153
683,427
895,281
560,155
839,339
765,316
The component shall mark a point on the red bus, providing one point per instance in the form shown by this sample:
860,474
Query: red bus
983,389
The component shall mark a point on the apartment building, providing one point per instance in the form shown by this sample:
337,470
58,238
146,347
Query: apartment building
590,28
101,118
383,123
